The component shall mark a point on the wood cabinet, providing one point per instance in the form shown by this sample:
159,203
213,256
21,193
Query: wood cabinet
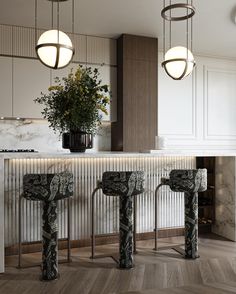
206,200
136,126
30,78
5,87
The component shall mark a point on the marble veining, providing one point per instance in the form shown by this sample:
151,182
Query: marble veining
225,202
35,134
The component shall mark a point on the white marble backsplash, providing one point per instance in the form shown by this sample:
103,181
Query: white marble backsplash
35,134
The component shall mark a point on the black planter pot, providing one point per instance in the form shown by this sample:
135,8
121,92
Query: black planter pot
77,141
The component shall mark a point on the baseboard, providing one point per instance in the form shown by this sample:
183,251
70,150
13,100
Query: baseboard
100,240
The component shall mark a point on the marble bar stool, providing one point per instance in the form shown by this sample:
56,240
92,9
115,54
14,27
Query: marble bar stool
48,188
125,185
191,182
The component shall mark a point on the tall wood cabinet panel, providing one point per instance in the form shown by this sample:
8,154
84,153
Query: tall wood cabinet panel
5,87
136,126
30,78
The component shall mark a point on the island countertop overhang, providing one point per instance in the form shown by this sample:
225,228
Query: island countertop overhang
152,153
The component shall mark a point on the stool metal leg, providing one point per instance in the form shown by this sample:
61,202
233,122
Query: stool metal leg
50,241
69,231
93,223
156,230
19,233
126,232
134,231
93,229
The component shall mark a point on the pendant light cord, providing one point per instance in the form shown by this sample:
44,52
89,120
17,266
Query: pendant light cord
73,17
35,21
52,15
58,20
170,42
191,36
164,32
187,32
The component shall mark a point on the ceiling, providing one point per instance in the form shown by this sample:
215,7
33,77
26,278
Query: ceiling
214,28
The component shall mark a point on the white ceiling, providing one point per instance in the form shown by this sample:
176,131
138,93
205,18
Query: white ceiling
214,29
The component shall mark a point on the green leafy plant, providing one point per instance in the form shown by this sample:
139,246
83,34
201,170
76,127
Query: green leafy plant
76,102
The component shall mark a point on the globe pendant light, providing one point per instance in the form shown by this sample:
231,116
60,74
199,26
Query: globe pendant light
178,61
54,48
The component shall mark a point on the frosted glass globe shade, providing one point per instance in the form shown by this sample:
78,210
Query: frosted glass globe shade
176,68
54,49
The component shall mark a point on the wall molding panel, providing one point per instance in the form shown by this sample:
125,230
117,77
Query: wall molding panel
168,102
213,110
228,77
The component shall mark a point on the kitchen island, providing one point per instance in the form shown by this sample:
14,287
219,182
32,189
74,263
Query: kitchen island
87,169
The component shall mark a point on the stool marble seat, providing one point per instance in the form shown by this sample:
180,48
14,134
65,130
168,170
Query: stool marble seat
191,182
48,188
125,185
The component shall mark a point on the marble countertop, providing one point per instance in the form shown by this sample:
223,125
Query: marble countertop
151,153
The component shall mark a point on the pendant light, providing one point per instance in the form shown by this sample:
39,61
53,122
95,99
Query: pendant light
178,61
54,48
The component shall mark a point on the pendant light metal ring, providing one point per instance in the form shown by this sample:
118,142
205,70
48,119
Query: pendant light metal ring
190,13
178,59
54,48
183,75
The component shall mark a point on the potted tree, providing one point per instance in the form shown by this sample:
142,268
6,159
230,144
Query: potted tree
74,107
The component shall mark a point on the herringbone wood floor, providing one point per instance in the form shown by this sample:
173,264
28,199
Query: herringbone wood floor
155,272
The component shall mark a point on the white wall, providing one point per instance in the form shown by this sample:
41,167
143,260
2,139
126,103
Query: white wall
200,111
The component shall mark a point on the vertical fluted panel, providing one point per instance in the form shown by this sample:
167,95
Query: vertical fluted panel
86,173
5,40
24,41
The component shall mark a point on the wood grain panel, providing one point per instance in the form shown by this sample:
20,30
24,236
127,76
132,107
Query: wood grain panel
136,125
140,48
154,272
140,125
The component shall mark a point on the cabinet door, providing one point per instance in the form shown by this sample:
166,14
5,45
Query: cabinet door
30,78
5,87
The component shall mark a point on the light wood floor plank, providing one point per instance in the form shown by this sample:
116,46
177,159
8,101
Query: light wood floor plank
164,271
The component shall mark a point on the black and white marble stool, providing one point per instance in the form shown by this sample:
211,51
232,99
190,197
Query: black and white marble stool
126,185
48,188
191,182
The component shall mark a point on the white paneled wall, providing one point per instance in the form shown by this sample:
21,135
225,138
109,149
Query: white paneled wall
26,77
202,107
86,173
